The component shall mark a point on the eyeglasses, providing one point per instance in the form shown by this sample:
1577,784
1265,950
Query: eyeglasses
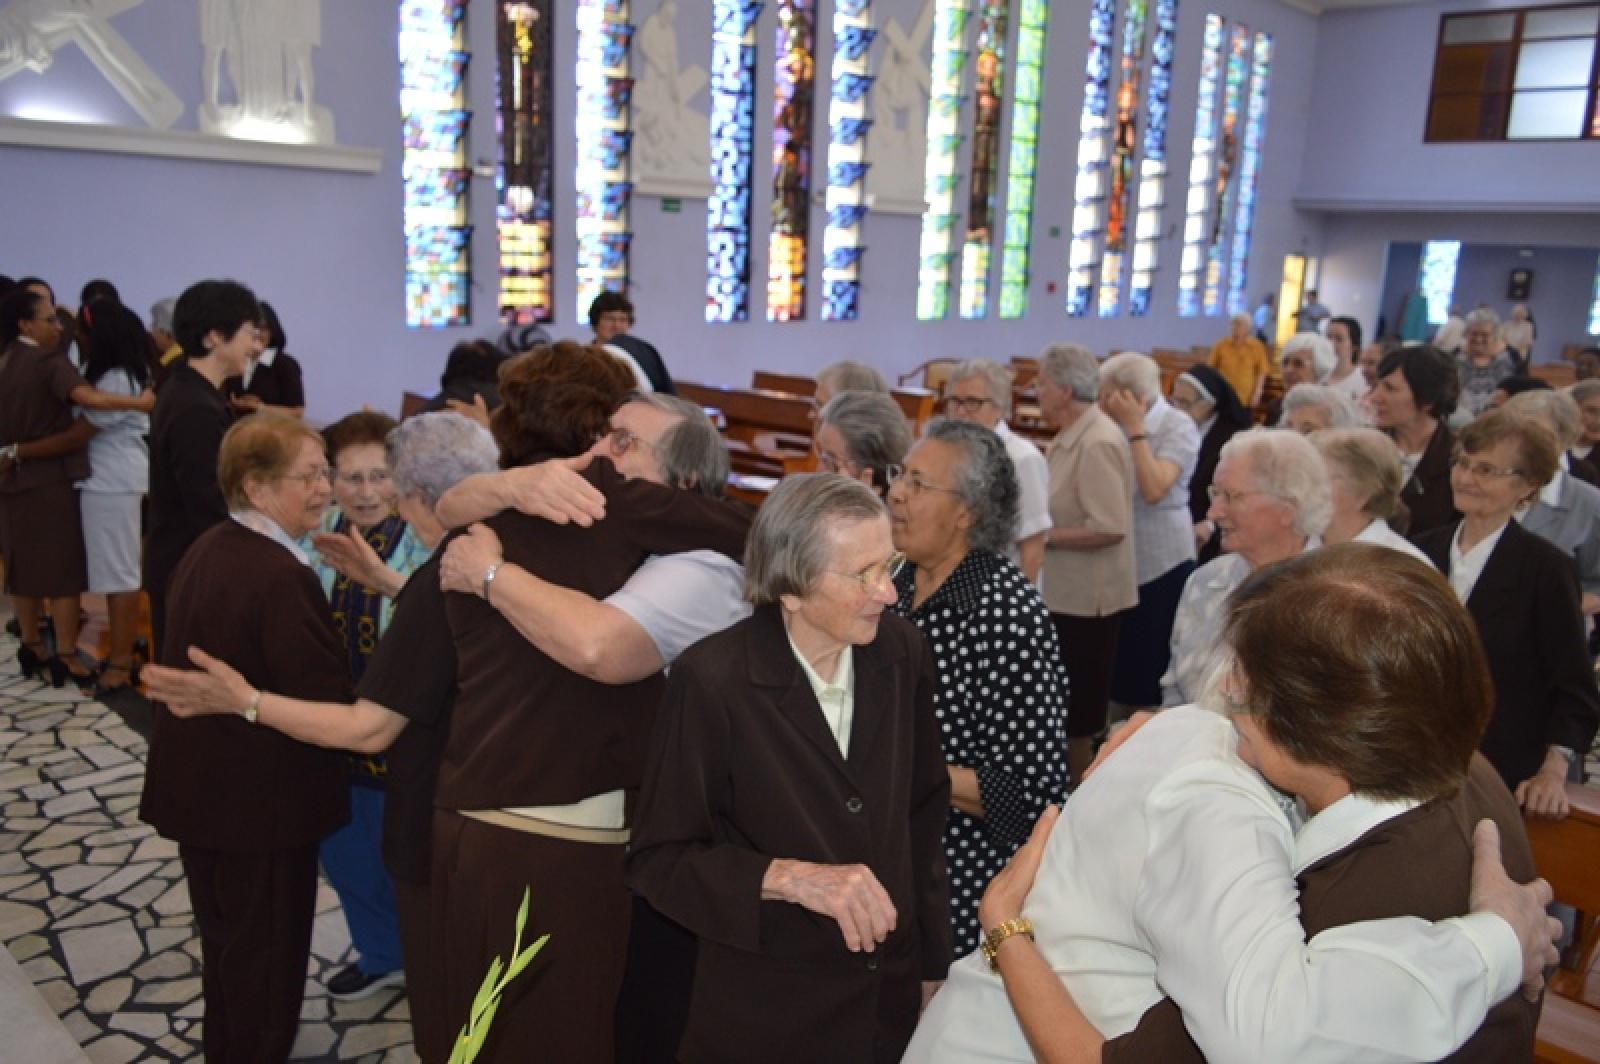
914,483
1483,470
308,479
831,463
1229,498
967,404
623,441
870,577
378,478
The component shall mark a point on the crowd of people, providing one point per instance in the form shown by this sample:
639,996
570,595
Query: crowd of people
769,777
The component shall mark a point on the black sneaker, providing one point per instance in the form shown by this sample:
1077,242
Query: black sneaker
350,983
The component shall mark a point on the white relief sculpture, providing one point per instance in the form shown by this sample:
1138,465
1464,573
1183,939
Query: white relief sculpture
32,31
671,138
263,48
899,140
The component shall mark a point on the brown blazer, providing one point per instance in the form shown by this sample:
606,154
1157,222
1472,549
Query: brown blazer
742,770
1375,878
222,783
35,402
1427,493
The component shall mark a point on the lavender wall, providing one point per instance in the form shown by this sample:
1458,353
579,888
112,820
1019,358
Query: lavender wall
326,248
1374,69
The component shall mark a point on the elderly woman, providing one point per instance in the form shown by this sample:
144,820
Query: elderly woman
1519,334
846,375
1165,445
1344,336
1364,478
1586,366
1174,872
1524,595
365,554
1309,408
1414,396
1207,397
796,797
41,456
1241,360
1586,393
248,807
979,391
1000,699
1270,500
1089,574
863,435
1567,510
1483,363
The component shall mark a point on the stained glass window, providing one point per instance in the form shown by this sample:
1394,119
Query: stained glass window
1196,213
1117,236
1436,277
989,88
523,214
847,160
1227,163
1024,158
1090,193
1594,306
733,112
605,134
792,101
1153,166
1255,121
934,254
434,172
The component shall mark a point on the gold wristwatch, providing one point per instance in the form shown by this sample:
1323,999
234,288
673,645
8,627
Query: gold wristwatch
996,935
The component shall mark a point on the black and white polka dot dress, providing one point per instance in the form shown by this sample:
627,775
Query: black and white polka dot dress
1002,706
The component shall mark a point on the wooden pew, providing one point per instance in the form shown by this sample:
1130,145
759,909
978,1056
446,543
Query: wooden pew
917,404
749,411
793,384
934,374
1567,854
1557,374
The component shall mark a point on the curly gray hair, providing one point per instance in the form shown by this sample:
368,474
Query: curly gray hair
430,453
1287,467
986,483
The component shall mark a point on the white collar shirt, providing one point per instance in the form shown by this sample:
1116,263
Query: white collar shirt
1466,567
837,696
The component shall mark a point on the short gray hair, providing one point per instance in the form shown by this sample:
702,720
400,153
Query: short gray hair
874,429
1483,316
848,375
1323,358
1583,391
1557,410
792,537
1133,372
1073,369
1342,410
995,377
1288,468
430,453
986,482
161,314
1368,462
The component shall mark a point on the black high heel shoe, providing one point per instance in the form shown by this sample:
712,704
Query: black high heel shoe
130,678
85,679
31,663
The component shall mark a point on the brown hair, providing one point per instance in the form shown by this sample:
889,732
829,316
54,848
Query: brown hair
557,400
261,446
353,430
1360,658
1538,452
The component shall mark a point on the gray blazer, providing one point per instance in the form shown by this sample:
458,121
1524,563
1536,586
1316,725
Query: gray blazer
1573,524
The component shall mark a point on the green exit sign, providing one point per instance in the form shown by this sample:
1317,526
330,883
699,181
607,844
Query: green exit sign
671,205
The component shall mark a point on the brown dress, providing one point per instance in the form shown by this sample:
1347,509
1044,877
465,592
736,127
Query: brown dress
1376,877
41,531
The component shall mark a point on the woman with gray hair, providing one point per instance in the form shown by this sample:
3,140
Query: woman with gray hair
1364,479
1270,500
1165,445
1566,512
1001,697
863,435
1089,575
1586,393
795,773
1483,363
1309,408
846,375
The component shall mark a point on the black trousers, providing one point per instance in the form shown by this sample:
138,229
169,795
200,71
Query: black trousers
254,913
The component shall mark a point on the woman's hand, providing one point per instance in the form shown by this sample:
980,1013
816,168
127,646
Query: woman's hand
1003,899
1125,409
1545,792
217,689
146,401
467,558
477,410
1202,533
556,491
850,894
352,556
246,402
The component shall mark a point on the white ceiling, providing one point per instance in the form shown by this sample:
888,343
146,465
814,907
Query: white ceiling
1317,7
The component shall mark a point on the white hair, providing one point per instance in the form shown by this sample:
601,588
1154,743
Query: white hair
1342,410
1073,369
1133,372
1323,359
1483,316
995,377
1285,465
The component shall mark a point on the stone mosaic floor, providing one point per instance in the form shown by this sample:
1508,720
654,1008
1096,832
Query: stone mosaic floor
93,905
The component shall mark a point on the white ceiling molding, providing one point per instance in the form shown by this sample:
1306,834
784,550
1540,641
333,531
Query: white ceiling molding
1329,205
179,144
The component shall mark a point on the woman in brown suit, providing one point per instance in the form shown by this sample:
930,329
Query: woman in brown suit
42,453
246,805
794,802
